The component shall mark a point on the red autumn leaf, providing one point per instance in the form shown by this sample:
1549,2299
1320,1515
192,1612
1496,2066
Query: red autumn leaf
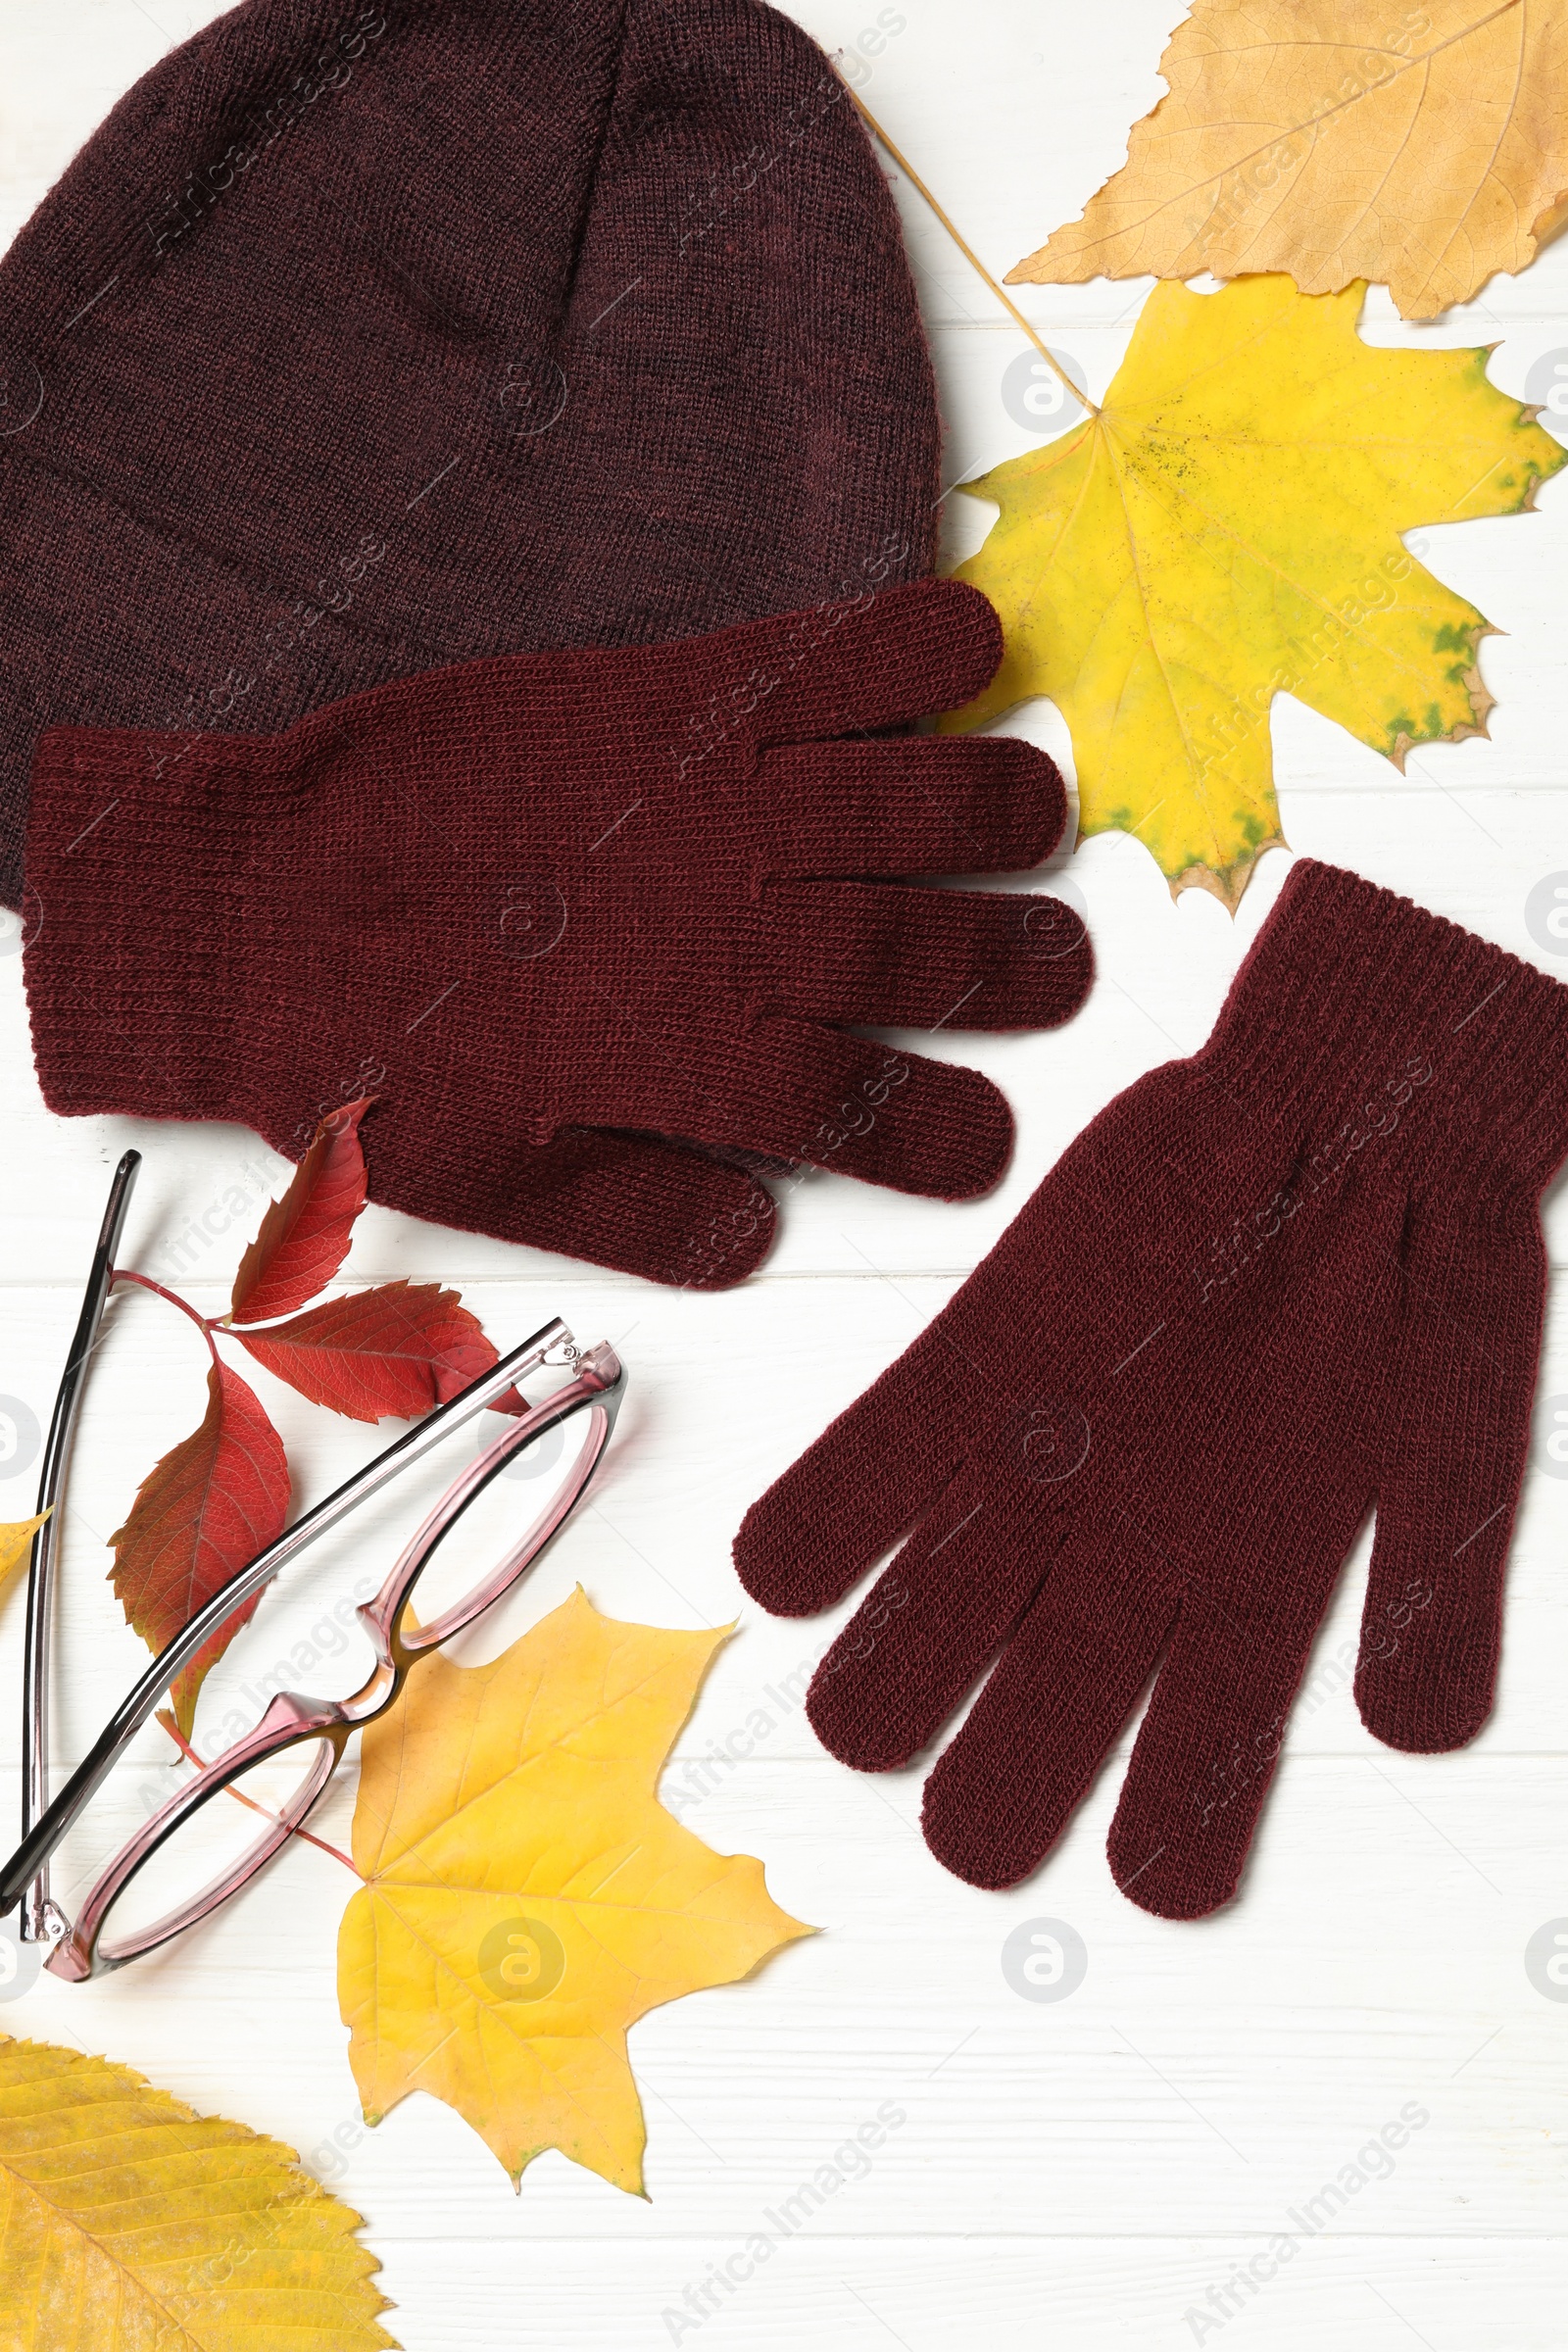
395,1351
304,1237
209,1505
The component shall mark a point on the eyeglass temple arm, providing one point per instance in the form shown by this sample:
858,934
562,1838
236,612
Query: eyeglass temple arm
46,1832
35,1917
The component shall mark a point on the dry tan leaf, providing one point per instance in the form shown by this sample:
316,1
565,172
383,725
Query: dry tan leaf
1335,140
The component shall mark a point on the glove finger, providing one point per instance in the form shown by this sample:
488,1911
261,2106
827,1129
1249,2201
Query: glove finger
801,1093
1206,1749
639,1205
851,1495
1473,1301
921,804
1004,1790
908,959
925,1630
870,661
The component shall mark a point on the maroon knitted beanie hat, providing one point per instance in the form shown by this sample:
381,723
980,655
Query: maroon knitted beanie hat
365,339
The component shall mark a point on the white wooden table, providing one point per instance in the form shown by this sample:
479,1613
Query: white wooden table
1080,2173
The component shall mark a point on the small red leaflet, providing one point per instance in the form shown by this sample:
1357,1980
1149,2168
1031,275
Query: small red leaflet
399,1348
211,1505
305,1237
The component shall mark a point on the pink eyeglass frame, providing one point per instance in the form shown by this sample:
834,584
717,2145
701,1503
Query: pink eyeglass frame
597,1386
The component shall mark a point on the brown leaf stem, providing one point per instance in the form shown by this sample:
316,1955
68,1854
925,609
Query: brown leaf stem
145,1282
969,253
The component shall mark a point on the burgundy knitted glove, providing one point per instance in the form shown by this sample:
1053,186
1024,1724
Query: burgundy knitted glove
1269,1287
533,899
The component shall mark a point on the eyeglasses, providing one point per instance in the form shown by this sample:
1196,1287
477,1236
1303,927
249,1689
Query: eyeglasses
192,1854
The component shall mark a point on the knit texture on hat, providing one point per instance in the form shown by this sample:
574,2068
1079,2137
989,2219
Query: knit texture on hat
1296,1276
532,902
365,339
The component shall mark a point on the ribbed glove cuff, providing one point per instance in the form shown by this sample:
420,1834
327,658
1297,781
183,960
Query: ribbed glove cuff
1373,1017
142,898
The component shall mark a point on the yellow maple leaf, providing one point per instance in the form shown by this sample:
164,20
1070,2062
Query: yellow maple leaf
527,1897
128,2222
1227,528
16,1541
1337,139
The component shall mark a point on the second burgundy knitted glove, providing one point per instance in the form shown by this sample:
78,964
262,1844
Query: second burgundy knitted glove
1296,1276
534,902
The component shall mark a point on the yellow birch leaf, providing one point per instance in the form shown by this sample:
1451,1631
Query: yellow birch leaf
1335,140
130,2224
527,1895
1228,529
16,1541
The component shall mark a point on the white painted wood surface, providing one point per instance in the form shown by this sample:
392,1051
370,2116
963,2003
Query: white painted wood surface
1080,2174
